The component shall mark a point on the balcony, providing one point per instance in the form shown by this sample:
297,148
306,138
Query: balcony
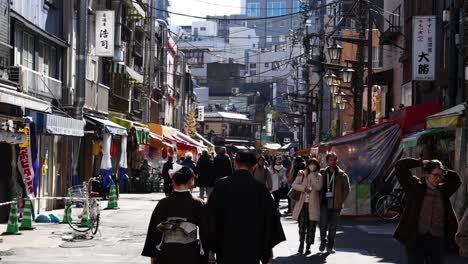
97,97
35,83
390,35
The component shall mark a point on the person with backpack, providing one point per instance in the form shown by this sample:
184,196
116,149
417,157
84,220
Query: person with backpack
262,174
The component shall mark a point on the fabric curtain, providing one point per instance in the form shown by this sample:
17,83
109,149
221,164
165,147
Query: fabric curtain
106,164
123,177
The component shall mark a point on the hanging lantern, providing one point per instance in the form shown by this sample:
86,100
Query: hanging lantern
334,51
330,78
343,105
334,89
340,97
347,74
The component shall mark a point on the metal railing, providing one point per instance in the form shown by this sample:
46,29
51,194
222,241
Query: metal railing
97,97
35,83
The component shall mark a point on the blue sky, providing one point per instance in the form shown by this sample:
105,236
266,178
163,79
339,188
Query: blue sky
202,8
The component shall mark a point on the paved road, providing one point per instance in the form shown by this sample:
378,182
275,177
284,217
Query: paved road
122,234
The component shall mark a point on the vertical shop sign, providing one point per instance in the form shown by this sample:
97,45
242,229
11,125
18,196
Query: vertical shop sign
105,33
424,36
25,165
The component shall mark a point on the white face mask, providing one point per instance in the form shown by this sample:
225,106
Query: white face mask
312,167
278,167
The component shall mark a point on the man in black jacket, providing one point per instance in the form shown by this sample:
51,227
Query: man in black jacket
428,224
244,228
167,179
205,174
222,164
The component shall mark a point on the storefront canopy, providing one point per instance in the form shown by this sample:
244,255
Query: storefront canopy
141,131
412,140
205,141
109,126
176,137
10,96
58,125
272,146
451,117
289,146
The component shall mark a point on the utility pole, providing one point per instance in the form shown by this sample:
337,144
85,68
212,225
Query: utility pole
150,66
358,81
369,70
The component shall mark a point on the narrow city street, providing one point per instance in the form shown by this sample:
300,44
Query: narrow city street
122,233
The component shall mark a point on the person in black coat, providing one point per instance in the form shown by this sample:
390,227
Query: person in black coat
188,161
244,223
167,179
172,231
205,171
222,165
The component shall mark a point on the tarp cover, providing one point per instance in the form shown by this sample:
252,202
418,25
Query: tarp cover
362,155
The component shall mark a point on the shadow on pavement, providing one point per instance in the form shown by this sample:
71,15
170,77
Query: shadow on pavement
317,258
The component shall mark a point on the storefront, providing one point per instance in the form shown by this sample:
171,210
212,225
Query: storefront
11,184
58,140
98,156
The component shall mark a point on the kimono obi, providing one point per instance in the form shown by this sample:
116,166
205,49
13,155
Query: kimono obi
178,230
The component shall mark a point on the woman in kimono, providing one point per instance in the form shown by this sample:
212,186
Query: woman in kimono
175,225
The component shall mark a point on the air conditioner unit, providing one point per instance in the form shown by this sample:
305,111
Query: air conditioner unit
235,90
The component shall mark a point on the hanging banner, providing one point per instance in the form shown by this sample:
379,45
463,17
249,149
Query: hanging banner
105,23
424,37
25,165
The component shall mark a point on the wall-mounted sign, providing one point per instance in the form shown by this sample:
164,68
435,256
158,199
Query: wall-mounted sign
105,23
424,40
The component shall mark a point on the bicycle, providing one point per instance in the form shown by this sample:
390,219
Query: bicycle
390,206
83,197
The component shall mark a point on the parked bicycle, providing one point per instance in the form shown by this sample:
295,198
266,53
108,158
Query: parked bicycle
84,209
390,206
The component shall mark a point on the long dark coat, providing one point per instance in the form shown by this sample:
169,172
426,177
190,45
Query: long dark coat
223,166
179,204
245,224
415,188
205,171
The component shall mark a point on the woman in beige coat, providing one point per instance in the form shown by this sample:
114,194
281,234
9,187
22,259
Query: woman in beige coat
307,209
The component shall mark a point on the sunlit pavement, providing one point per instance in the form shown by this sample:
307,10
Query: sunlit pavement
122,234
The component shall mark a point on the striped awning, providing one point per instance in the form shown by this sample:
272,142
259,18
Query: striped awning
121,68
135,10
140,131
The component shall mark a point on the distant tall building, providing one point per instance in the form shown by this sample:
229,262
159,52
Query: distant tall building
270,31
162,5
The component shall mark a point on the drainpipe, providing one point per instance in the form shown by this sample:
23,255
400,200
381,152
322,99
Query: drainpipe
80,82
162,67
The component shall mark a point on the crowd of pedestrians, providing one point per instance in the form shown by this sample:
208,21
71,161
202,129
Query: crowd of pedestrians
246,184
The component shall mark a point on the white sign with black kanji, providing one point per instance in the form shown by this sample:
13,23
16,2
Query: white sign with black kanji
105,24
424,41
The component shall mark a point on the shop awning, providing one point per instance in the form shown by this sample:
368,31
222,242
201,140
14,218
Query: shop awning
240,147
10,96
208,143
121,68
109,126
412,140
141,131
136,10
158,141
289,146
451,117
272,146
190,140
59,125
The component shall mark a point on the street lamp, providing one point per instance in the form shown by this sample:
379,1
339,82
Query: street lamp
340,97
334,51
347,74
334,89
342,105
330,78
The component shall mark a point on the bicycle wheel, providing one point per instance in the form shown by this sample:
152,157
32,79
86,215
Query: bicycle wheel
386,207
75,219
95,226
